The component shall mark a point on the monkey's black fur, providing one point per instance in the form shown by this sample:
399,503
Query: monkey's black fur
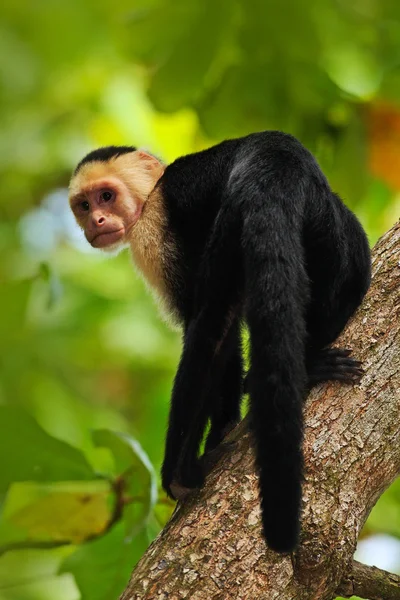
261,237
104,155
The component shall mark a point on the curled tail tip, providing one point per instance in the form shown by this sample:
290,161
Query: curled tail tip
281,513
283,543
282,532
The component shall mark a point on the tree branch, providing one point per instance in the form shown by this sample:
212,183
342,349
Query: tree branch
213,546
371,583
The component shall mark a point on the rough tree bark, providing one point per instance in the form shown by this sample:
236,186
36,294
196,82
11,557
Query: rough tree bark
212,547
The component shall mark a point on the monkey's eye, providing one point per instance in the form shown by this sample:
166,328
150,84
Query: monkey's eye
85,205
106,196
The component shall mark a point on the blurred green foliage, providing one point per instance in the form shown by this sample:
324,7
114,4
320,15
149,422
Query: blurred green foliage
86,365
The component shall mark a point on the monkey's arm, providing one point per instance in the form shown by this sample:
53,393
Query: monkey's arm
203,353
227,390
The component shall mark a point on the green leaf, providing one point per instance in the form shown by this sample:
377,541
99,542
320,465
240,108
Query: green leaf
190,60
28,453
32,575
62,513
101,568
136,473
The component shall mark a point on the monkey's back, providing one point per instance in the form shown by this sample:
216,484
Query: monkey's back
195,186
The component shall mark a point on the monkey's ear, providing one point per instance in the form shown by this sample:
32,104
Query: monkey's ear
148,161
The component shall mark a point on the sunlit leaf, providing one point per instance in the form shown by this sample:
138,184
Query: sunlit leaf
28,453
67,513
33,575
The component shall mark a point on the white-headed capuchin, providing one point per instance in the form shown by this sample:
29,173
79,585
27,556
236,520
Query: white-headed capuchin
248,230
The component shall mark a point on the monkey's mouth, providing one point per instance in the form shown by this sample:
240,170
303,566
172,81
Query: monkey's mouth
107,238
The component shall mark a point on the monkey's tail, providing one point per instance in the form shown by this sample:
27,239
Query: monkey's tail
276,296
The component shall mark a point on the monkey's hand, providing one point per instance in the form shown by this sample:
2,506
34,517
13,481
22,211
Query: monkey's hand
333,364
179,491
183,480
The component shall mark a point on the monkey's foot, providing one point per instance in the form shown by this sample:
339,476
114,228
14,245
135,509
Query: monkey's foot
333,364
179,491
187,478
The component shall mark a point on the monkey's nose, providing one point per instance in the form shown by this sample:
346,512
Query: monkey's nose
99,221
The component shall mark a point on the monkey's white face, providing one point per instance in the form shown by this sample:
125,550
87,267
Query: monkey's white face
107,198
106,212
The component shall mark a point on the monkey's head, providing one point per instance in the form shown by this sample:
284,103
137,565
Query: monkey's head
108,190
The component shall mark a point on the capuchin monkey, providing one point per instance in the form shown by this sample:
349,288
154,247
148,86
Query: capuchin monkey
248,230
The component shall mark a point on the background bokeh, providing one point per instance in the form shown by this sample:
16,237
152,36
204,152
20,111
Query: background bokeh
86,364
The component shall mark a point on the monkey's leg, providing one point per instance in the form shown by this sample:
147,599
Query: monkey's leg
227,393
222,394
217,292
191,403
338,264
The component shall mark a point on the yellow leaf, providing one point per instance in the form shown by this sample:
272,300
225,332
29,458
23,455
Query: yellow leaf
64,516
